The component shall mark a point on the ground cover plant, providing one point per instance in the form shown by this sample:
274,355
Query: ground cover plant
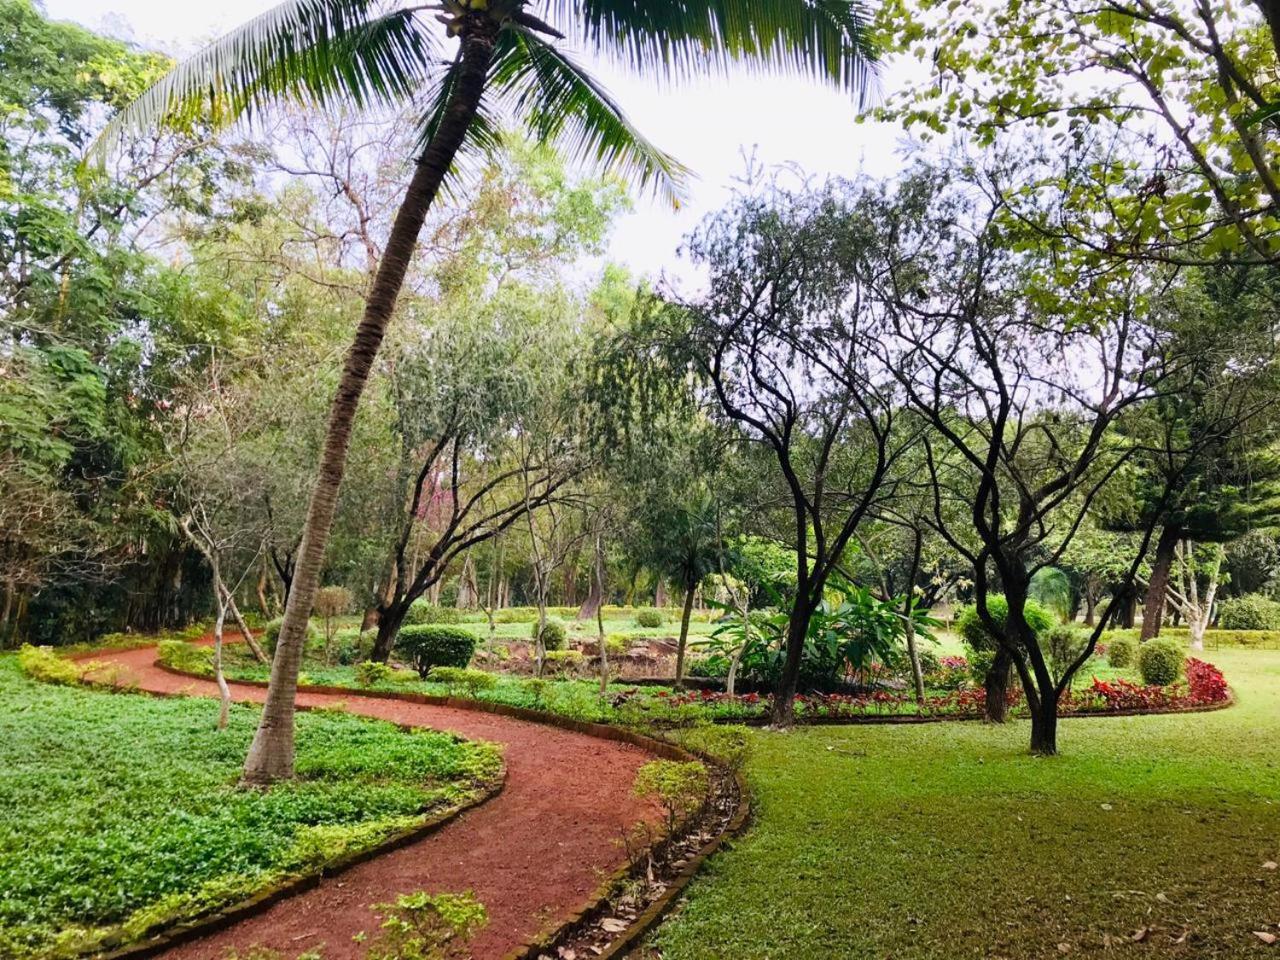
122,810
1150,838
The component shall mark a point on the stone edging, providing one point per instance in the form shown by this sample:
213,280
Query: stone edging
221,919
545,941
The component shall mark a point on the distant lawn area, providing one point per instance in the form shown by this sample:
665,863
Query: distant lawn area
121,810
1148,835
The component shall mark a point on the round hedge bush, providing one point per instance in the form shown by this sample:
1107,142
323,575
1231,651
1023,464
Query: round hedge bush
428,645
1161,661
1251,612
974,632
649,618
1121,652
271,635
554,634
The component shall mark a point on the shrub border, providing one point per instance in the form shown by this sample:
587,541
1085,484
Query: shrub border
548,939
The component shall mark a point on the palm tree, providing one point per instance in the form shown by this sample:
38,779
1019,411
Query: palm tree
686,548
507,65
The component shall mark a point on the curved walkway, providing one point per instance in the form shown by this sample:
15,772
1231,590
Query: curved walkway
533,855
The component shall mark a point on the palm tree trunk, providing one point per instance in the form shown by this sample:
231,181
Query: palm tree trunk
684,632
271,754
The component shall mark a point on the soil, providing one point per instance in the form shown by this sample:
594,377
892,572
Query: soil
533,855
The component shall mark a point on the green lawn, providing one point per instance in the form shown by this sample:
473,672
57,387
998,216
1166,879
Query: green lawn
120,810
949,841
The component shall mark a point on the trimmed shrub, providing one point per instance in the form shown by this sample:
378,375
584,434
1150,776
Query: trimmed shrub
1161,661
421,612
554,634
649,618
1121,652
975,634
370,673
41,663
184,656
472,681
271,636
565,660
1252,612
435,645
730,745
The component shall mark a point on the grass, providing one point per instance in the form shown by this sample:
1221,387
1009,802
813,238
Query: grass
121,811
950,841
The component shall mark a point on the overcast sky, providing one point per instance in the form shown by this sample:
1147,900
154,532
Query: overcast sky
707,125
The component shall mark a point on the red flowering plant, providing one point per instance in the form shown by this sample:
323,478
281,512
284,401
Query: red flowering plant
1205,682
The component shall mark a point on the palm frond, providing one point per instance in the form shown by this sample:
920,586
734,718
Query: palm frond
311,50
827,40
559,102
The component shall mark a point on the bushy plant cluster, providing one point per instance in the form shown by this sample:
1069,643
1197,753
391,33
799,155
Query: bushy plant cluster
461,679
1251,612
371,673
649,618
184,656
680,787
554,634
271,636
435,645
1122,651
131,821
1161,661
424,926
41,663
421,612
979,640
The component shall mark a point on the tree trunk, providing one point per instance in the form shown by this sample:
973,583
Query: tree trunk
996,685
684,632
597,588
1161,563
389,621
660,594
917,674
1044,725
258,653
224,691
1090,605
594,601
271,754
264,607
784,698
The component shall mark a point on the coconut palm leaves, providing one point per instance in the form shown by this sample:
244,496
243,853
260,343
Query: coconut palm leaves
375,54
315,51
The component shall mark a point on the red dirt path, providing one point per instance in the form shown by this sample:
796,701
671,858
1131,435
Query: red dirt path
532,855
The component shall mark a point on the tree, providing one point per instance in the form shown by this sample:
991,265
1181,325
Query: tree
329,50
685,547
780,348
1164,141
1021,437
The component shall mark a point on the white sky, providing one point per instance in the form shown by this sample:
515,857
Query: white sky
706,125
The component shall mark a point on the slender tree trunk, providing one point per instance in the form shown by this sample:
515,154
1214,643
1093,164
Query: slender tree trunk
908,613
684,632
660,594
1161,563
259,654
263,606
597,587
224,691
996,686
784,698
271,754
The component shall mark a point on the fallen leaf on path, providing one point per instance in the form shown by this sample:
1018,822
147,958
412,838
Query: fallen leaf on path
613,925
1269,865
1267,938
1140,934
